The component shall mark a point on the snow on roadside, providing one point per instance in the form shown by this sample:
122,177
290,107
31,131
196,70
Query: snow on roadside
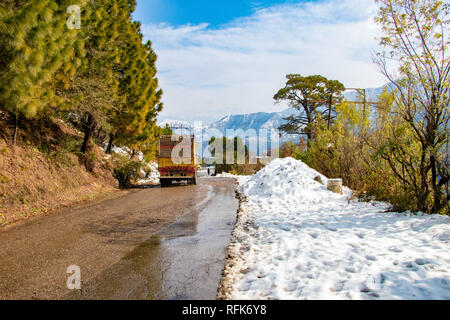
296,240
152,177
240,179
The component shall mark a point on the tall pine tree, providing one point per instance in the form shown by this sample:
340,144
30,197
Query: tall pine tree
36,46
134,122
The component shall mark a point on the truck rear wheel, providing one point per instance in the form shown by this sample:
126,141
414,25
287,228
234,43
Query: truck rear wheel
165,183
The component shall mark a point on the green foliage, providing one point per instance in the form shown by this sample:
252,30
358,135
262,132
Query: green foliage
63,158
167,130
293,150
72,145
126,171
380,159
134,120
238,162
398,151
44,148
415,33
313,97
36,49
101,78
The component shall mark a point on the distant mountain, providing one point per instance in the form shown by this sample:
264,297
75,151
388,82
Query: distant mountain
371,94
255,121
274,120
259,120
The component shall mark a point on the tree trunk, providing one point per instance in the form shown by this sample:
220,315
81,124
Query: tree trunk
16,128
89,128
110,144
424,192
437,201
329,111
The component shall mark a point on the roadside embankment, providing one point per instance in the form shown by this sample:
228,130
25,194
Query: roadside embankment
43,172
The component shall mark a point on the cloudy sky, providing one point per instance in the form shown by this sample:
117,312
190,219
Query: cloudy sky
218,58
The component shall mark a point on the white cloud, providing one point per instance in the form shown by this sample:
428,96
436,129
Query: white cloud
207,73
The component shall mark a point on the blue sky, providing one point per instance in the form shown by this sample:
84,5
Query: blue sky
214,12
217,58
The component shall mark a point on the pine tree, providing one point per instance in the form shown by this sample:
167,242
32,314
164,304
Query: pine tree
314,97
102,77
93,90
36,46
134,122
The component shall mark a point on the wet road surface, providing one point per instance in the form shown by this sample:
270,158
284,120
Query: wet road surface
182,261
148,244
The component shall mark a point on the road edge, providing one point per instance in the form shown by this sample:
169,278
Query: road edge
224,291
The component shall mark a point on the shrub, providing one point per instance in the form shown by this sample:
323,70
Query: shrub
126,171
71,144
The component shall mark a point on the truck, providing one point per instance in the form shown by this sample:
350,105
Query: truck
177,160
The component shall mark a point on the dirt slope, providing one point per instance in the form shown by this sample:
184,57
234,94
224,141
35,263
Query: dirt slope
43,171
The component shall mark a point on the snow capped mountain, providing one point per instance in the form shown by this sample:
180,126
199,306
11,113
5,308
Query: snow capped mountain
371,94
260,120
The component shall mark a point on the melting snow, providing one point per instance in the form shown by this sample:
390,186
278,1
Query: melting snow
297,240
153,174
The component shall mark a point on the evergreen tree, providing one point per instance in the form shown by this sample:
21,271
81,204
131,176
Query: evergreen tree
313,96
102,76
167,130
94,89
333,97
134,121
36,47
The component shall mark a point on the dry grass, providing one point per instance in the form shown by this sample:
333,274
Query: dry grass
42,172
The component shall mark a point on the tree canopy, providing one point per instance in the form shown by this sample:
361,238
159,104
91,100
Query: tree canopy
100,77
314,97
416,35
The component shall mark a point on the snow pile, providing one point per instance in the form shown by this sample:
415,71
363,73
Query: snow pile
287,179
127,152
124,151
151,174
297,240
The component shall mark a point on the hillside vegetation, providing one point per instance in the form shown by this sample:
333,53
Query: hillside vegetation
395,149
75,82
45,172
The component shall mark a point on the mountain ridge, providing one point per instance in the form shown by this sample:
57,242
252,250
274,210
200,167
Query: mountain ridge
262,120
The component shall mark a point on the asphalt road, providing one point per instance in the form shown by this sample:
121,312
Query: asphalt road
147,244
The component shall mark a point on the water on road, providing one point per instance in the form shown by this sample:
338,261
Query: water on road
184,260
